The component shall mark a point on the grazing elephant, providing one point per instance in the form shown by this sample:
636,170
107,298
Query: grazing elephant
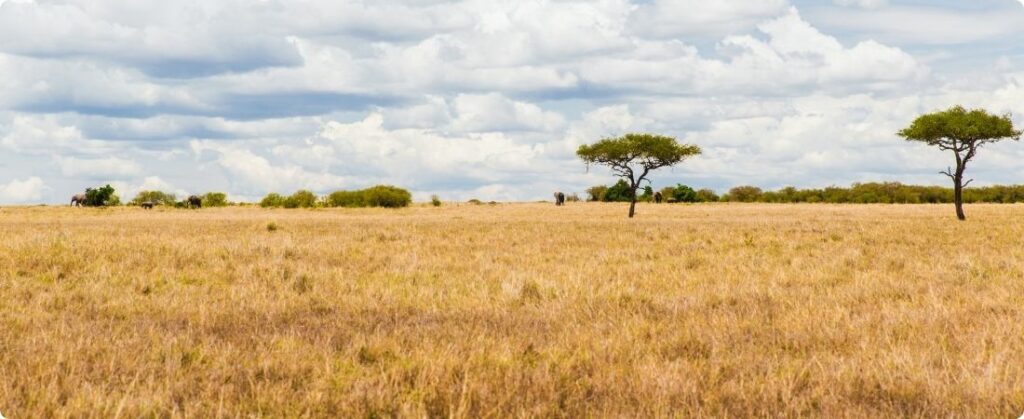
194,202
657,197
78,200
147,205
559,199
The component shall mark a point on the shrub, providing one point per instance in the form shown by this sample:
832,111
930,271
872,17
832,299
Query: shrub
619,192
387,196
272,200
474,201
301,199
573,197
683,193
349,199
707,195
435,201
597,193
378,196
99,197
648,194
156,197
215,199
745,194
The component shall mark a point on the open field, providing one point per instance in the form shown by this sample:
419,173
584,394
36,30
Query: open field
513,310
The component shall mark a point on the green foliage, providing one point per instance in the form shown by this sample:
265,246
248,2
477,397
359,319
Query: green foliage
435,200
683,193
646,150
301,199
215,199
707,195
886,193
156,197
596,193
648,194
744,194
958,128
474,201
346,199
387,196
619,192
100,197
573,197
272,200
378,196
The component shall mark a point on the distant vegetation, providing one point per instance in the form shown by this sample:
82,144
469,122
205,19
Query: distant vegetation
210,199
378,196
858,193
101,197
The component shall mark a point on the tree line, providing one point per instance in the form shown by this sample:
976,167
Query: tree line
963,132
858,193
386,196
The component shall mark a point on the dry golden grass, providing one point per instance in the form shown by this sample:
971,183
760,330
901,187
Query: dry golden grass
523,310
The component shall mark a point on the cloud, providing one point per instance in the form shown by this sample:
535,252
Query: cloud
486,99
22,191
864,4
108,168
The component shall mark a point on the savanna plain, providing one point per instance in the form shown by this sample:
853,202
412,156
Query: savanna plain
513,310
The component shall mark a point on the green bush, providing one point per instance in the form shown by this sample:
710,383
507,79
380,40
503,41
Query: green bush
707,195
301,199
435,200
272,200
156,197
378,196
683,193
387,196
619,192
745,194
347,199
597,193
215,199
100,197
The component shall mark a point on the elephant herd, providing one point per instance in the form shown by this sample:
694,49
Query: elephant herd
192,201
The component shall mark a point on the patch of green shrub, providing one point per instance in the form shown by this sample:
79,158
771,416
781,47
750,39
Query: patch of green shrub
301,199
215,199
272,200
156,197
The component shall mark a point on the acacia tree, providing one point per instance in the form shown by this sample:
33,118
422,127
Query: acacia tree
962,132
633,157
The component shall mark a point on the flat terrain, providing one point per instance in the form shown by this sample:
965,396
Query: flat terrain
513,310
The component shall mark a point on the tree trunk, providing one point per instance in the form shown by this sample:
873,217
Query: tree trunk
958,195
632,205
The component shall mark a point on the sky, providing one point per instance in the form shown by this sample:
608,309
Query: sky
489,99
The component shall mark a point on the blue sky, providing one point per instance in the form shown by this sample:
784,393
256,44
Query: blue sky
488,99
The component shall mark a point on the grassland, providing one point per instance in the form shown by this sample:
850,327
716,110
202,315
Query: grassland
513,310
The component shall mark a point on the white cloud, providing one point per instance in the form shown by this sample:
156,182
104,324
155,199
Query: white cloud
482,98
108,168
864,4
22,191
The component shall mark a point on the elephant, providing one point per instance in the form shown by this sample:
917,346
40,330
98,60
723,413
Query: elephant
147,205
559,199
657,197
194,202
78,200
